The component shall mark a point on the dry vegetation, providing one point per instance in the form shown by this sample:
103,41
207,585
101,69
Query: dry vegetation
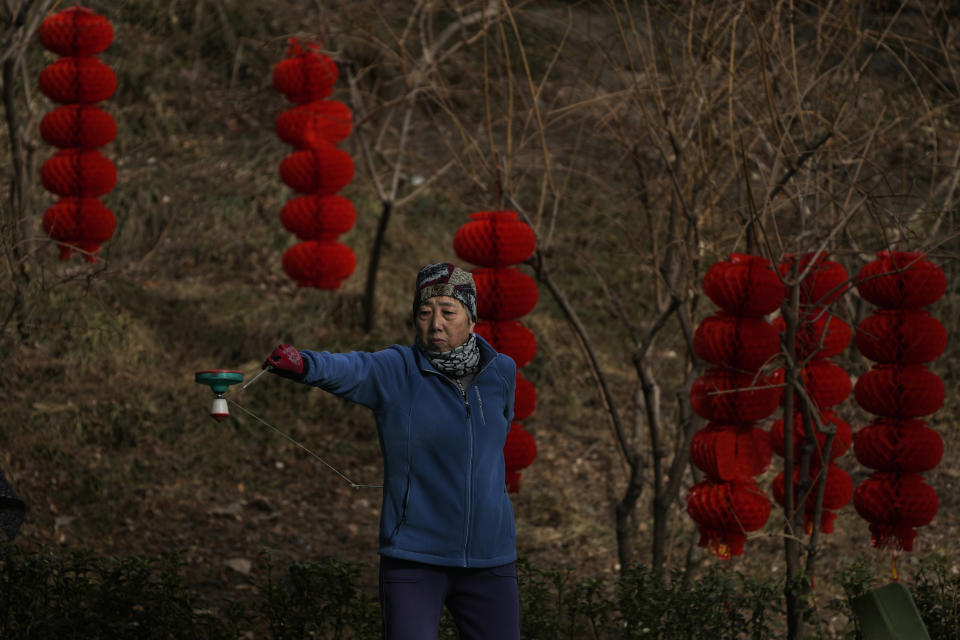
642,140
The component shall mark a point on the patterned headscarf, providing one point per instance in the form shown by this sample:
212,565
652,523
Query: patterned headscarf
445,279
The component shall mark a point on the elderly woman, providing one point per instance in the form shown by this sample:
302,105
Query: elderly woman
443,408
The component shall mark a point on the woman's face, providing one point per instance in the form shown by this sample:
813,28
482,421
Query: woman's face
443,323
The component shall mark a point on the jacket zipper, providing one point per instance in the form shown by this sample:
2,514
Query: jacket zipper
466,404
469,514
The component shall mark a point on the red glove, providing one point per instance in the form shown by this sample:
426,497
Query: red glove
286,361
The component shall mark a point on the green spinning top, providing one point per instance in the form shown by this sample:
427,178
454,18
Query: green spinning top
219,380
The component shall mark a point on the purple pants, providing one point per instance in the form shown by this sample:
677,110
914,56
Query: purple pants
485,603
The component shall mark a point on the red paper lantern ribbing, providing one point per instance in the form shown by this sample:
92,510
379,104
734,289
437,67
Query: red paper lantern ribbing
519,452
836,494
78,80
509,337
901,336
323,265
78,172
841,440
321,171
730,452
79,223
76,31
305,75
736,342
494,239
78,125
819,335
894,391
504,294
826,383
309,125
825,283
524,399
725,512
723,395
894,504
744,285
314,217
901,280
900,446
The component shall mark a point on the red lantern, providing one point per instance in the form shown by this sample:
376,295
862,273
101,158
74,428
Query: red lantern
78,172
318,217
322,171
736,342
730,452
894,504
60,221
744,285
524,399
836,494
894,391
901,446
308,126
305,75
841,439
78,125
819,335
323,265
79,223
504,294
723,395
901,336
725,512
494,239
825,283
826,383
901,280
509,337
78,80
76,31
519,452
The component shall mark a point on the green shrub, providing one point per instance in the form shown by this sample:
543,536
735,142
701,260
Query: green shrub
554,605
720,605
937,594
80,595
319,600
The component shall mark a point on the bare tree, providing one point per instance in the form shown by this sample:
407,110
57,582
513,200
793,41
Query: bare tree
386,122
20,22
776,129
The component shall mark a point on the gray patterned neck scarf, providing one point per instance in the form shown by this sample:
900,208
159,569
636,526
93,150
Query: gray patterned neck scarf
456,363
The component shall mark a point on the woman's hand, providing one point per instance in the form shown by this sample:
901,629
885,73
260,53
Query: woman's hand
286,361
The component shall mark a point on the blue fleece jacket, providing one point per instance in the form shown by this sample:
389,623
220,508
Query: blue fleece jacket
444,497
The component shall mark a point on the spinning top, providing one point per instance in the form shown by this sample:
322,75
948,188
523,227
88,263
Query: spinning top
219,380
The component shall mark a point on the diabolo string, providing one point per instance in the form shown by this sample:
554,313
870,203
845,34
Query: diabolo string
350,482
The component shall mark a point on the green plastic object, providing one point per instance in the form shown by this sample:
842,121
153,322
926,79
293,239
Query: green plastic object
889,613
219,380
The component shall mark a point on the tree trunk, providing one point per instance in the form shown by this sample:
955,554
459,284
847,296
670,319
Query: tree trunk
373,265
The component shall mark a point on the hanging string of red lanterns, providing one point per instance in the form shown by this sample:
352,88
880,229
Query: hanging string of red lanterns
495,240
316,169
78,172
901,338
820,336
733,395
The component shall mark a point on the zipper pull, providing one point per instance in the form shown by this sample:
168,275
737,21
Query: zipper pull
463,394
